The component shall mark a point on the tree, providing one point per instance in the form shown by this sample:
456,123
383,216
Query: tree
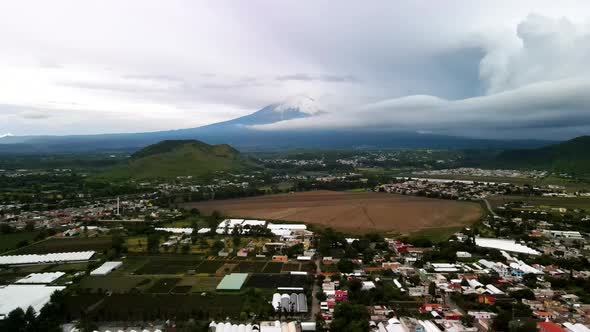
6,228
500,323
321,296
530,280
212,223
236,241
467,320
523,294
31,319
350,317
216,215
432,289
217,246
345,265
528,325
295,250
195,212
355,285
30,226
117,243
15,321
86,324
153,244
203,243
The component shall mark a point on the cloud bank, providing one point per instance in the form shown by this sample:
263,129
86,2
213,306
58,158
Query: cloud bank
479,68
536,85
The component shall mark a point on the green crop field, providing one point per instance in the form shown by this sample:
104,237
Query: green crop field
11,241
147,306
436,235
273,267
54,245
554,202
249,267
117,284
164,285
169,265
199,283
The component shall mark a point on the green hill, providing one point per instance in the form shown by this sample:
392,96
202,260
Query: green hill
571,156
170,159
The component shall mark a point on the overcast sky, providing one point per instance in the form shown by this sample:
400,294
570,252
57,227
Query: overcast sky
499,68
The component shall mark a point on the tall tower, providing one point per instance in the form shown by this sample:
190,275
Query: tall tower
118,206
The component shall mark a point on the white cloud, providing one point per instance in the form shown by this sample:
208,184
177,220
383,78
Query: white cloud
537,83
546,105
113,66
542,49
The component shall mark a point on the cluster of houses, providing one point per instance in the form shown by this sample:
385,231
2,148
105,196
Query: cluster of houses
500,173
465,189
333,296
444,188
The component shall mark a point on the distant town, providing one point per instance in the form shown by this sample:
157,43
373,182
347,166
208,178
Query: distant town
83,254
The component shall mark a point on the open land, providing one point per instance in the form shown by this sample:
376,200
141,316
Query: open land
351,211
11,241
54,245
554,202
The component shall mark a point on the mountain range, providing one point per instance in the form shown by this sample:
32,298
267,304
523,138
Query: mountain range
570,156
239,134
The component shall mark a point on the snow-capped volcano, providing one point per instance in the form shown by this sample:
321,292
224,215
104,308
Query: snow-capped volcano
292,108
6,135
302,104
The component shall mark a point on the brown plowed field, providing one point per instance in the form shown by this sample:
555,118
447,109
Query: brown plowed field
351,212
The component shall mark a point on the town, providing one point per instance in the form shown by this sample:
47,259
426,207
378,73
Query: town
122,263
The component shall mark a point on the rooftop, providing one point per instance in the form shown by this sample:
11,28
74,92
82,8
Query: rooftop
232,281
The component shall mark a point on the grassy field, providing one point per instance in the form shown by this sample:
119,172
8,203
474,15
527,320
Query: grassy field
169,264
351,211
200,284
67,244
141,307
114,283
11,241
163,286
136,244
180,265
554,202
436,235
132,306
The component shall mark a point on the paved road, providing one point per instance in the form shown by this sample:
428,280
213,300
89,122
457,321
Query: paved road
489,206
315,304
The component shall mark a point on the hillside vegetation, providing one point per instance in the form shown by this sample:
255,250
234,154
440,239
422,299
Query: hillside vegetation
571,156
169,159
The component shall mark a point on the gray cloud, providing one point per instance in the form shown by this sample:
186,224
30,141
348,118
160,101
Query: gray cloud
34,115
210,62
548,105
323,77
535,83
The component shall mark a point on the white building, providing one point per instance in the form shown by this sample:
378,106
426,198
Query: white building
106,268
24,296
